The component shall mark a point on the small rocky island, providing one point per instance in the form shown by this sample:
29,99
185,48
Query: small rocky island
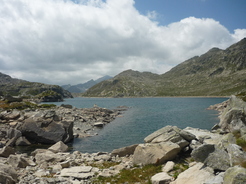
169,155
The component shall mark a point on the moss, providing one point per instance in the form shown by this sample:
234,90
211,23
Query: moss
136,175
241,143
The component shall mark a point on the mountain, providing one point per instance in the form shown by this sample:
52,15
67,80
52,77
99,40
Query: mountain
18,87
215,73
80,88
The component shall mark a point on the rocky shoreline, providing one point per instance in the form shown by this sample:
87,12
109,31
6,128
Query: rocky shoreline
189,155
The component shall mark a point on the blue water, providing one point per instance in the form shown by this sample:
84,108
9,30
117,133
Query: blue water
144,116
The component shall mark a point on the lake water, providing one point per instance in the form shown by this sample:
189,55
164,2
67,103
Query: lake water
144,116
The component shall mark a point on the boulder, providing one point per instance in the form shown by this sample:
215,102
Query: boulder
58,147
157,153
129,150
79,172
8,174
6,151
161,178
235,175
218,160
43,155
165,134
187,135
204,136
46,131
233,117
168,166
201,153
236,154
20,161
197,174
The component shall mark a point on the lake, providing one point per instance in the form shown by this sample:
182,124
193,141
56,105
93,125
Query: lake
144,116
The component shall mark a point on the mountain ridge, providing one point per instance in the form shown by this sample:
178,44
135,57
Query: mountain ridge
215,73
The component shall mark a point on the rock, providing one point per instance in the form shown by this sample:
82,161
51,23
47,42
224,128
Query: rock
47,131
22,141
19,161
8,174
157,153
233,117
218,179
6,151
187,135
12,132
218,160
58,147
243,131
79,172
161,178
43,155
204,136
197,174
121,152
168,133
235,175
99,124
67,106
236,154
168,166
201,153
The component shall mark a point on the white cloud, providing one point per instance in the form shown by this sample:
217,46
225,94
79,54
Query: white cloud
60,42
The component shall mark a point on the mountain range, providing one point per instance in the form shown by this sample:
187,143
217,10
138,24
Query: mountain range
17,87
216,73
80,88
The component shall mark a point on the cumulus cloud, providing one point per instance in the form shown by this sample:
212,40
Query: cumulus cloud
64,41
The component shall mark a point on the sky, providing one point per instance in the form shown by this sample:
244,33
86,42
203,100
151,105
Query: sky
73,41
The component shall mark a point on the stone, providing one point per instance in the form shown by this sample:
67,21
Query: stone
99,124
8,174
79,172
235,175
168,166
19,161
43,155
6,151
168,133
12,132
201,153
218,160
38,130
58,147
157,153
243,131
187,135
161,178
236,154
204,136
121,152
197,174
22,141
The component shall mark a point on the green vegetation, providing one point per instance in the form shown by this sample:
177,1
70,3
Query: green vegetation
23,105
137,174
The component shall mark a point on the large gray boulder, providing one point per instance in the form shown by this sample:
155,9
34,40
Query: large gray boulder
165,134
20,161
47,131
155,153
235,175
58,147
233,117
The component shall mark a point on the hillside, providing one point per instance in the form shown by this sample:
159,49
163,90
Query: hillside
22,88
215,73
80,88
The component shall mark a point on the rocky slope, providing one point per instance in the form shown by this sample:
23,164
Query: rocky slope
39,91
215,73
